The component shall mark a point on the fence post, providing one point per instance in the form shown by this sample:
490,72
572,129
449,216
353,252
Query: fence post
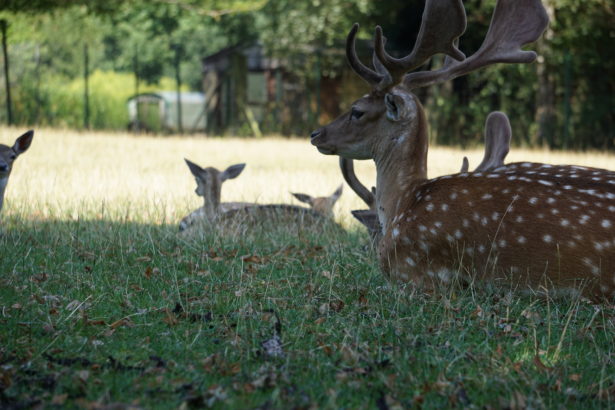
86,93
37,74
567,89
9,110
137,124
178,82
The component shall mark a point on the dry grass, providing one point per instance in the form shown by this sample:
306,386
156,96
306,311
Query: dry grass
68,174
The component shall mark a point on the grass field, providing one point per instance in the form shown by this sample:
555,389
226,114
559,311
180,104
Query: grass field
104,305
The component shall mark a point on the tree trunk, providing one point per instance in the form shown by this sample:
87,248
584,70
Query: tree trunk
545,115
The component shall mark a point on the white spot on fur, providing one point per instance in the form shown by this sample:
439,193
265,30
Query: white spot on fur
606,223
547,238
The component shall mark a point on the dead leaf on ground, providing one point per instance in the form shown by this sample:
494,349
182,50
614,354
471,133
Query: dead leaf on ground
540,365
122,322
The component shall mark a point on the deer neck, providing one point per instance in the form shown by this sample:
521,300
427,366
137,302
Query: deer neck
401,165
211,205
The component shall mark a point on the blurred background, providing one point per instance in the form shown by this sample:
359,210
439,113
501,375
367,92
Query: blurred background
261,67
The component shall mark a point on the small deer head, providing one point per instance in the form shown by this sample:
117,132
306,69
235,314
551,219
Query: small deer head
209,183
8,155
324,204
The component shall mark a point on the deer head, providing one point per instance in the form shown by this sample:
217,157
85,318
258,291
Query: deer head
209,184
534,224
8,155
323,204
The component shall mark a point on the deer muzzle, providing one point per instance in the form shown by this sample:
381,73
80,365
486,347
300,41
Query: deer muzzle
318,139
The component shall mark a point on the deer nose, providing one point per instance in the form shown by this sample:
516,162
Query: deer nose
4,167
315,134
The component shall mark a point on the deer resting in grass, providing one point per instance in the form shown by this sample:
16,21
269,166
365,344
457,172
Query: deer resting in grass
209,183
498,134
323,204
529,225
8,155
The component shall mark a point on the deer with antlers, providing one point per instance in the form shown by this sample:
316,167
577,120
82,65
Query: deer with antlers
528,224
8,155
209,186
498,134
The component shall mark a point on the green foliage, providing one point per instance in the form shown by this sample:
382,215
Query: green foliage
573,82
62,101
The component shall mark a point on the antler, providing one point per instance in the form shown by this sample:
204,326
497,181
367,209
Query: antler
378,79
347,167
514,24
442,23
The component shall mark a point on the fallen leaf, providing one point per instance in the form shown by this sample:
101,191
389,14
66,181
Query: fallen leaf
540,365
59,399
83,375
575,377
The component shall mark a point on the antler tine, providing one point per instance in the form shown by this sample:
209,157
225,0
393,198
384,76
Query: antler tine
514,24
366,73
347,167
442,23
497,141
387,79
465,165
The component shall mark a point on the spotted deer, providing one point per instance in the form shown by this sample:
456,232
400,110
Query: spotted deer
209,185
498,134
8,155
529,225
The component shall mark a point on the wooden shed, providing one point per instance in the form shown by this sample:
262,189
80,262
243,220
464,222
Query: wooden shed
251,93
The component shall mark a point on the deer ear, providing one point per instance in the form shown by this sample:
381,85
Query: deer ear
303,197
368,218
23,143
338,192
194,168
232,172
394,105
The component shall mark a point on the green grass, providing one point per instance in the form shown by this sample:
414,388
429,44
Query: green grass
103,302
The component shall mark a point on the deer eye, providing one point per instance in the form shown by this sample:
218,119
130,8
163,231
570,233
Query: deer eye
13,156
356,114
